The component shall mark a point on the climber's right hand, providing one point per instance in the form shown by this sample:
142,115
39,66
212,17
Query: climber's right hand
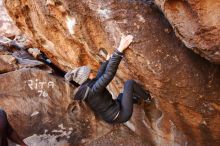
125,42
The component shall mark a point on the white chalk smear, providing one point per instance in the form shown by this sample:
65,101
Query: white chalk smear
141,18
130,125
105,13
70,22
34,113
61,127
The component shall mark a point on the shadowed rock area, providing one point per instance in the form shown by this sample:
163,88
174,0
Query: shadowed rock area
196,23
184,85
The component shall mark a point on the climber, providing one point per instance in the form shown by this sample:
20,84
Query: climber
6,131
94,92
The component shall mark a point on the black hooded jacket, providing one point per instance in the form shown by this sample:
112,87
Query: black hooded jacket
99,98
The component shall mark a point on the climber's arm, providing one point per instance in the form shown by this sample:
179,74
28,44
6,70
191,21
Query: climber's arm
112,66
102,69
109,73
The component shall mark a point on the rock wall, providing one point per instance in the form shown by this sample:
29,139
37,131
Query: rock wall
196,23
184,85
7,27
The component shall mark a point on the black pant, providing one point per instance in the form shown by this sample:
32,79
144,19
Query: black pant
131,90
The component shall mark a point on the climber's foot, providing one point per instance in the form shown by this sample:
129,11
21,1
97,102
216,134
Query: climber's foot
148,101
136,100
147,98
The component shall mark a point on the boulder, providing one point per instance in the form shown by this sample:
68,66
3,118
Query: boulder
196,23
29,97
184,85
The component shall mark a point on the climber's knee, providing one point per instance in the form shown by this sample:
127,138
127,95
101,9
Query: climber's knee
126,117
129,85
123,117
129,82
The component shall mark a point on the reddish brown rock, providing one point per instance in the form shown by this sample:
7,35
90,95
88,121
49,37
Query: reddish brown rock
196,23
184,85
28,90
7,61
8,58
6,67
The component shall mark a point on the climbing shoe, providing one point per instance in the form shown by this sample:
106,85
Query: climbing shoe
136,100
147,98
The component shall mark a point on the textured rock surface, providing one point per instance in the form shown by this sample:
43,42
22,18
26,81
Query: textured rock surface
39,103
6,67
22,88
13,56
7,27
185,86
196,23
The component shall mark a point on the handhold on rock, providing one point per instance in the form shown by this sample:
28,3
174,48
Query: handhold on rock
34,51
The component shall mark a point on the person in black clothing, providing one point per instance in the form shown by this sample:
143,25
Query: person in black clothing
6,131
94,92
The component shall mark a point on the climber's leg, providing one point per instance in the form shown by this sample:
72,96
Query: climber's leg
140,92
126,103
131,89
134,99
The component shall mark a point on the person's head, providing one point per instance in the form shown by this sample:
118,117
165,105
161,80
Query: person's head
79,75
